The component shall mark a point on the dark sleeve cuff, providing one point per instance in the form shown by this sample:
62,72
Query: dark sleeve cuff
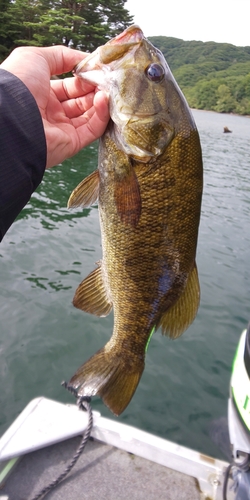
22,148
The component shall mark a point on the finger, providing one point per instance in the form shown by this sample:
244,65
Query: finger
94,122
62,59
74,108
101,103
81,121
69,88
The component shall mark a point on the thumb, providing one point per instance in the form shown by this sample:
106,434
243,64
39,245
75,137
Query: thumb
61,59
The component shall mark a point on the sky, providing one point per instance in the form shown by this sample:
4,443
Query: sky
211,20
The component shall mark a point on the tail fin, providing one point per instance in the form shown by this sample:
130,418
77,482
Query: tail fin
111,375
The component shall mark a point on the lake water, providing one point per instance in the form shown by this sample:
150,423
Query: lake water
48,250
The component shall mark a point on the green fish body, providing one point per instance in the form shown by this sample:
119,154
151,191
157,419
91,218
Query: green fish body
149,187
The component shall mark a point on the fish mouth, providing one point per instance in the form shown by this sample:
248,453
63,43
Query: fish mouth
112,51
132,34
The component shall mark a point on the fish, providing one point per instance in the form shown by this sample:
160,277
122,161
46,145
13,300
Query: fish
148,185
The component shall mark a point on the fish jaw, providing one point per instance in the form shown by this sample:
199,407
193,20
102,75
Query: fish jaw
94,64
114,49
132,34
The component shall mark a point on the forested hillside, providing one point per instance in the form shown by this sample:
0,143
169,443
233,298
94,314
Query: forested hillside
213,76
75,23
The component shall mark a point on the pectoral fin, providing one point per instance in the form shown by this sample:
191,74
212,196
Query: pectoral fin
179,317
86,193
127,196
91,295
121,176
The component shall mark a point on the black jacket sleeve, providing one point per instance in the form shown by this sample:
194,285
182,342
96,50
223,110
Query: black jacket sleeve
22,148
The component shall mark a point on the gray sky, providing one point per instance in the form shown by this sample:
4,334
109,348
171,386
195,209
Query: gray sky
213,20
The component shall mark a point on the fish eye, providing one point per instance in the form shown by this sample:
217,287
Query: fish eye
155,72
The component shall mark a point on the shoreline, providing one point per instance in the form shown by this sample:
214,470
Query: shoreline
218,113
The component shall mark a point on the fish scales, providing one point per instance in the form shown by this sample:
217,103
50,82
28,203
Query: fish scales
144,250
150,186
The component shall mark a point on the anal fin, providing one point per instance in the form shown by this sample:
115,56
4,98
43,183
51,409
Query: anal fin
91,295
180,316
86,193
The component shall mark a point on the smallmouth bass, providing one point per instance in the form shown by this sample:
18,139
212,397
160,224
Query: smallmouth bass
149,188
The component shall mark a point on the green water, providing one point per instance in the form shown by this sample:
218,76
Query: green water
47,252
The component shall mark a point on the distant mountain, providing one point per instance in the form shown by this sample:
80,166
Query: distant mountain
213,76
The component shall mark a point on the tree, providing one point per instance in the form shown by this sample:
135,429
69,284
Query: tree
225,102
5,40
204,95
81,24
24,17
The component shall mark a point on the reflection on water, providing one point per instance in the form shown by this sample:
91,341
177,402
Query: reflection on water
49,250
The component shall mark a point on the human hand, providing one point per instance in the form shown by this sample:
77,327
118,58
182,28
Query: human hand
73,113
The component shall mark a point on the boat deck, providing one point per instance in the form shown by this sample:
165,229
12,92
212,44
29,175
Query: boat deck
119,462
102,472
